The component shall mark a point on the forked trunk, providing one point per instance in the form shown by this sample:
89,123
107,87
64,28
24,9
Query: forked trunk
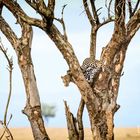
106,88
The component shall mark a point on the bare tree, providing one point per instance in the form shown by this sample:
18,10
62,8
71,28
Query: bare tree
97,80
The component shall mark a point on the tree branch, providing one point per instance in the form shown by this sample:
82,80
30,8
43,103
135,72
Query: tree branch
120,15
94,11
95,28
71,124
93,36
108,8
79,119
105,22
47,13
135,8
130,8
63,23
77,75
10,68
1,6
93,43
38,5
51,4
89,15
8,32
133,25
19,14
6,129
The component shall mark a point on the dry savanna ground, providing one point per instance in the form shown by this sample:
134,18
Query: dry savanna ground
61,133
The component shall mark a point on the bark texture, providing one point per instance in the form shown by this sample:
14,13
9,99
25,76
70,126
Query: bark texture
99,97
22,47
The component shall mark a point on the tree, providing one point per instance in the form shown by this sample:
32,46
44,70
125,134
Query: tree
99,89
48,110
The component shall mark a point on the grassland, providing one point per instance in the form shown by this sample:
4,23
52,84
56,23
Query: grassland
61,133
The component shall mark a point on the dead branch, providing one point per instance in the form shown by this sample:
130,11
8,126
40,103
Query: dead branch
89,15
71,123
79,119
63,23
10,68
135,8
94,11
6,130
108,6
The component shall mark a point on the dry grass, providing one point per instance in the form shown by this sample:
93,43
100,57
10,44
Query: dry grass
61,134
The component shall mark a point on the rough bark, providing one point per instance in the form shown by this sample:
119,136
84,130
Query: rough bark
22,47
33,106
93,36
100,97
77,76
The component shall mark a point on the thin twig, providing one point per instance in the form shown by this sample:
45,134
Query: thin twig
136,7
106,22
108,7
10,68
6,129
62,22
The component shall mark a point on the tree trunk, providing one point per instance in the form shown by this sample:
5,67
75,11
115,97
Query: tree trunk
33,106
106,88
22,47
